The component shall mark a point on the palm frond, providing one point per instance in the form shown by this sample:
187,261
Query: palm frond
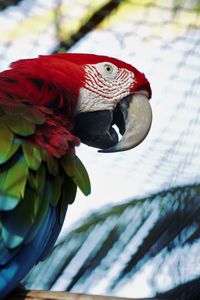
161,232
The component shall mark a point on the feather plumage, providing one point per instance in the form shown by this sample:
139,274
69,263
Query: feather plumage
39,171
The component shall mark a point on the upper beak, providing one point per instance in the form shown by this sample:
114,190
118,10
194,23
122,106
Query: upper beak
133,117
137,115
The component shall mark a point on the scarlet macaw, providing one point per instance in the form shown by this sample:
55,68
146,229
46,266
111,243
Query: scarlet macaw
47,105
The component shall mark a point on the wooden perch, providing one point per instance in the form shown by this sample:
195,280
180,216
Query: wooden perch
50,295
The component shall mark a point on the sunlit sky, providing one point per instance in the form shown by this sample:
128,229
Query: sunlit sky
169,56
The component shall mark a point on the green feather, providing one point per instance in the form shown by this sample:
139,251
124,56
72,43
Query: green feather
15,146
68,164
32,181
30,113
68,196
7,202
69,190
54,189
81,177
12,184
11,107
36,180
11,241
24,215
76,170
33,115
32,155
44,154
52,165
38,220
19,125
43,183
6,140
30,211
49,187
51,184
8,145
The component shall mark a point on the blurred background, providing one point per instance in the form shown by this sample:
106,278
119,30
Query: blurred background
138,233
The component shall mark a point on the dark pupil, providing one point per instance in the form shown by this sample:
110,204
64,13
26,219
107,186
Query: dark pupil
108,69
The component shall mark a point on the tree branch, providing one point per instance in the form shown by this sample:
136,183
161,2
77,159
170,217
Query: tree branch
7,3
95,20
49,295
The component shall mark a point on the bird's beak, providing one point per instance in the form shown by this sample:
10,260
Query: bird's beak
137,116
133,117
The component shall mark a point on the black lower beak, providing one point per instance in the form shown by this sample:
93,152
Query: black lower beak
95,129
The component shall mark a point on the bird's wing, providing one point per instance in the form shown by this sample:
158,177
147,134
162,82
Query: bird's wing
37,183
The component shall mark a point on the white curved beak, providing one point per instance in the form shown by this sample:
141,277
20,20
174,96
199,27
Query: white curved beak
138,119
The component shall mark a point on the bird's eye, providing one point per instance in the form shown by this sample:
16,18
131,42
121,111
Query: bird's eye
108,69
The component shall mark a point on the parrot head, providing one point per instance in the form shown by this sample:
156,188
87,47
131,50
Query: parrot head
114,95
110,98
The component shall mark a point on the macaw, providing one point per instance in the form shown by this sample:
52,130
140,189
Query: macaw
48,105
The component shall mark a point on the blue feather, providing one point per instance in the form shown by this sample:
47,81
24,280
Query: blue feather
27,255
54,235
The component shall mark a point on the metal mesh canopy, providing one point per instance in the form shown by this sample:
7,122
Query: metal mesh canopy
161,38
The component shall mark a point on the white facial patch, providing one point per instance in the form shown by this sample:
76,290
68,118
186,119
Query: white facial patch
105,86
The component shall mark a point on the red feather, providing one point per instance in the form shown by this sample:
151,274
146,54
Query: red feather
52,86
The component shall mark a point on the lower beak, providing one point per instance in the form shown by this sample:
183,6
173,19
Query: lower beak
133,117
